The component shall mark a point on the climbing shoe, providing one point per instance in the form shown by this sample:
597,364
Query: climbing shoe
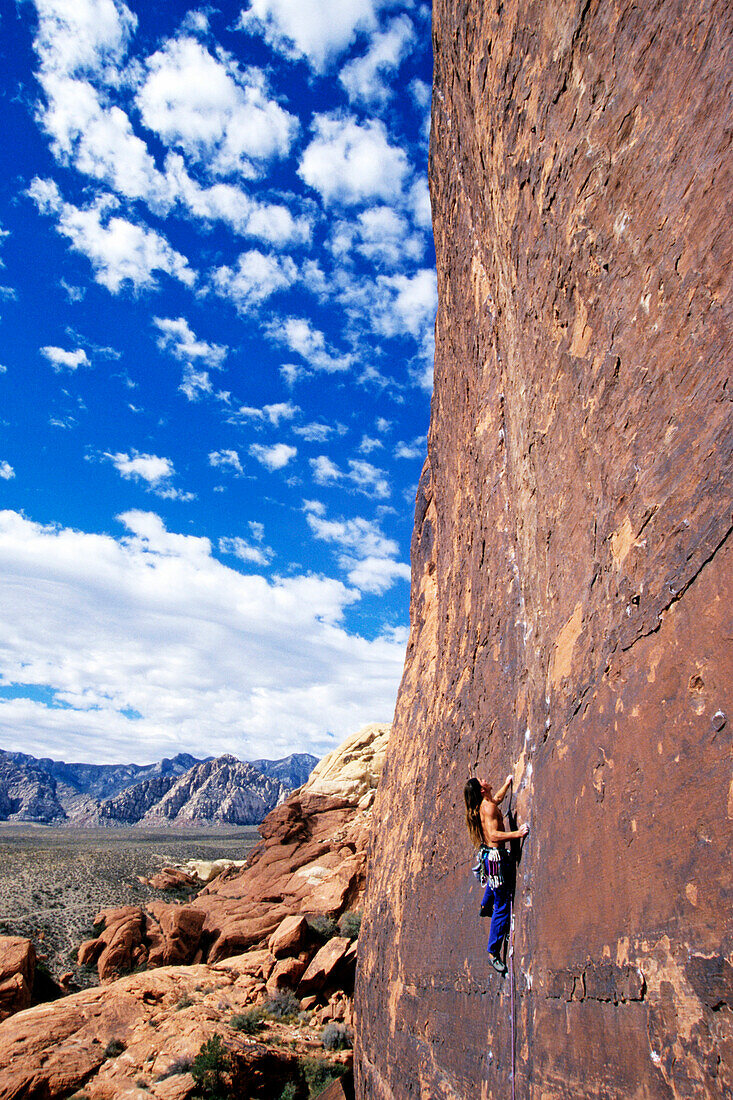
497,964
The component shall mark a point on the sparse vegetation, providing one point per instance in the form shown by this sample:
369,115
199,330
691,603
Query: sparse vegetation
249,1022
289,1092
183,1002
336,1037
320,1073
211,1069
181,1065
322,927
114,1048
350,924
283,1006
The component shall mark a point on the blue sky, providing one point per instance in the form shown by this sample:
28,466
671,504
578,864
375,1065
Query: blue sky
217,298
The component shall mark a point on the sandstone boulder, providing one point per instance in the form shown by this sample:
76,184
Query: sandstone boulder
290,937
17,966
286,974
173,878
324,965
172,933
353,769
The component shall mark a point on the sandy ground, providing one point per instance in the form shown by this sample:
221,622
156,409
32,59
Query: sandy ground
54,881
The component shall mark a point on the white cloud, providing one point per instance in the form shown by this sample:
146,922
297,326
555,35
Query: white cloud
369,444
420,203
274,457
226,460
282,410
255,278
366,555
245,551
221,117
348,162
6,471
120,251
383,236
413,300
177,337
314,432
298,334
364,78
415,449
84,36
311,29
363,476
257,668
153,472
69,360
195,384
142,467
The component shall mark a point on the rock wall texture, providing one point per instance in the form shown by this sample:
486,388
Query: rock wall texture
572,582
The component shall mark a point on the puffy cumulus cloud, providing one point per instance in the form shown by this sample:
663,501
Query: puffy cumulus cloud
365,78
88,36
365,554
245,551
258,667
411,304
226,460
419,198
311,29
314,432
349,162
274,457
379,234
219,116
177,337
121,252
299,335
65,360
360,475
414,449
369,444
154,472
255,278
273,414
6,471
227,203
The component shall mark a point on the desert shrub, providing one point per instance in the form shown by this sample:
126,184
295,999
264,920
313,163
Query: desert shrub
249,1021
320,1073
289,1092
304,1018
336,1037
323,927
113,1048
350,925
183,1002
211,1068
282,1005
181,1065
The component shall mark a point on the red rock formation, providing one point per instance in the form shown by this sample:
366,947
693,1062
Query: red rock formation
572,582
17,966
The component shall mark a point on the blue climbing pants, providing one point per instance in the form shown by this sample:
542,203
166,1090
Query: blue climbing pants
502,904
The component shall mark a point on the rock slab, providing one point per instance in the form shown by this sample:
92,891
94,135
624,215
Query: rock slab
572,568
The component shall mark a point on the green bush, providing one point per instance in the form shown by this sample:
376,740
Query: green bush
249,1021
336,1037
289,1092
350,925
323,927
320,1073
113,1048
211,1068
283,1005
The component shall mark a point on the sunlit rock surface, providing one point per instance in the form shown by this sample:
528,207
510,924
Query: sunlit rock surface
572,583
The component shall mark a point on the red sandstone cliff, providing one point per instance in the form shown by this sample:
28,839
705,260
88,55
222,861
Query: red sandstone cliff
572,581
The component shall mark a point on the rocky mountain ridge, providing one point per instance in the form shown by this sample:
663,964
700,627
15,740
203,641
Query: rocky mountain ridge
181,789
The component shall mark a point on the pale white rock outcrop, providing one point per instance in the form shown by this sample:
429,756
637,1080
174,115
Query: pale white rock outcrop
352,770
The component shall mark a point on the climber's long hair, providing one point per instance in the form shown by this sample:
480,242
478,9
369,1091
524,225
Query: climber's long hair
473,796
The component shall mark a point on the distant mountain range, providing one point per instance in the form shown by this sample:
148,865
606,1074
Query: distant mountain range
181,790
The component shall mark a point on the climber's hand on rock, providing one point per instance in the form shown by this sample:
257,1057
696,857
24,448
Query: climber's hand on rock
524,829
510,778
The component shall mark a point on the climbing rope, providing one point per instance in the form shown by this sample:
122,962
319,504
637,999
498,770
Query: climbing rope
511,986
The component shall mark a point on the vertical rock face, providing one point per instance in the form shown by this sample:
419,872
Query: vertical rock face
572,581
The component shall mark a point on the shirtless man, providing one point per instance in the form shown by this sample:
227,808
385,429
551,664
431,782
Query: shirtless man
486,825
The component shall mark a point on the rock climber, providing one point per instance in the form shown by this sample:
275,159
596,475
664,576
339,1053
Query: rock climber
496,865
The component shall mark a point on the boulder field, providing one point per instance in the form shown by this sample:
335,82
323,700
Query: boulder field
572,592
254,933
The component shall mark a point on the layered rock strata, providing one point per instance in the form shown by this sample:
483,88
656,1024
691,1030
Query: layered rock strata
572,583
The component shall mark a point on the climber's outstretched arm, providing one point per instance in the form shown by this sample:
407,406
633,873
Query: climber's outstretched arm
498,835
503,789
